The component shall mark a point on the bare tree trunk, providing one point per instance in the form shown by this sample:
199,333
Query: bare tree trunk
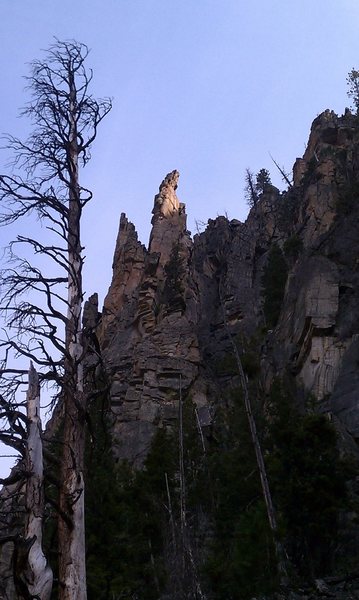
72,564
282,172
71,531
38,572
170,511
250,189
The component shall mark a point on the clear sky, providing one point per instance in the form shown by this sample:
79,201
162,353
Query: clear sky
208,87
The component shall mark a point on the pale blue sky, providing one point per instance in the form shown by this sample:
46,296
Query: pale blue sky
208,87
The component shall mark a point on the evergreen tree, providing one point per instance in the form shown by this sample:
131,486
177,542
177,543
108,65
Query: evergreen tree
242,560
175,273
308,479
263,180
125,543
353,88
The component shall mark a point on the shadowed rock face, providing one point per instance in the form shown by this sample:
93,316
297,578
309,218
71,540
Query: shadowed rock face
316,336
147,333
171,308
162,331
307,322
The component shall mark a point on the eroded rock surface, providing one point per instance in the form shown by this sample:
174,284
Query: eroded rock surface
173,309
148,335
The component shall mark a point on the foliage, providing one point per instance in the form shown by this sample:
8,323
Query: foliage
274,279
249,354
226,366
175,273
241,559
248,348
133,553
308,480
256,185
250,363
124,518
194,459
137,552
190,498
311,175
353,87
287,209
339,155
263,180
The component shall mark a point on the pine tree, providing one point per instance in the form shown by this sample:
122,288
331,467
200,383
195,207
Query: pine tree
353,88
263,180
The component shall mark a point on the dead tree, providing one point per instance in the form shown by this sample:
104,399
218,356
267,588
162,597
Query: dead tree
43,305
251,193
39,573
32,576
284,175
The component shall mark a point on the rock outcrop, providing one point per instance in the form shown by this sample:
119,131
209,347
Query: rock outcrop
172,310
147,333
317,329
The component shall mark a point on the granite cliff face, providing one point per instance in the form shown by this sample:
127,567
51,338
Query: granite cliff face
162,330
147,331
318,325
171,310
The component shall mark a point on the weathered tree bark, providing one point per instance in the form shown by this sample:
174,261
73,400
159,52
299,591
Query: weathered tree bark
71,531
250,189
38,574
72,565
282,172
